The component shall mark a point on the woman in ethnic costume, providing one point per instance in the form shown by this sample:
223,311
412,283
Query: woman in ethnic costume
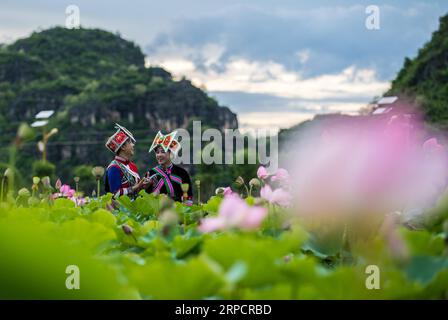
166,177
122,176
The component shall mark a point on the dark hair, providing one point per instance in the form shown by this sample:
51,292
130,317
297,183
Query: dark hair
159,146
121,148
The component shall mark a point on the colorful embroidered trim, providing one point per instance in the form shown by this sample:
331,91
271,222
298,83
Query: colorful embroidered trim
167,180
176,178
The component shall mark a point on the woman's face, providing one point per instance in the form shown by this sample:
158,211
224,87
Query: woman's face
128,148
163,158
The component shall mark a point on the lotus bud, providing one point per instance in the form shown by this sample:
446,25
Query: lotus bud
127,229
98,172
8,173
76,179
58,184
53,132
197,183
24,192
36,180
25,132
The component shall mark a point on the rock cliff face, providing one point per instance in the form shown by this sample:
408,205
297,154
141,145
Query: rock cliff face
92,79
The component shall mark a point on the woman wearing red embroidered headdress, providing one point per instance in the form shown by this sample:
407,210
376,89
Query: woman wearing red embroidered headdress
122,176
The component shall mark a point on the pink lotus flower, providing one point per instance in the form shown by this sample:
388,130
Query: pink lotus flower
282,176
78,201
278,196
234,212
432,146
227,191
55,195
262,173
67,191
366,164
58,184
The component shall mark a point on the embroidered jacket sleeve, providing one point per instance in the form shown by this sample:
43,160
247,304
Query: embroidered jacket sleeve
115,179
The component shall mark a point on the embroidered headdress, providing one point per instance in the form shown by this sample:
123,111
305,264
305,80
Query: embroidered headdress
118,139
167,142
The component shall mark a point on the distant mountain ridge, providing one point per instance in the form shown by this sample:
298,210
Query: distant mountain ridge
93,78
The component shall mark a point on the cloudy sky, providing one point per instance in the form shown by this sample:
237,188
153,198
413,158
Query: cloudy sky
274,63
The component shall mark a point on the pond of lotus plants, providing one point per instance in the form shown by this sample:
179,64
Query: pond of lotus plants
248,245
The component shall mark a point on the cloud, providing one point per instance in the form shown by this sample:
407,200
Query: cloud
273,78
272,112
261,60
269,77
315,40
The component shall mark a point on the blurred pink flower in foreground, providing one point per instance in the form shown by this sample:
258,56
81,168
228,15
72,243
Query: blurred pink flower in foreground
278,196
367,164
234,212
282,176
432,146
262,173
227,191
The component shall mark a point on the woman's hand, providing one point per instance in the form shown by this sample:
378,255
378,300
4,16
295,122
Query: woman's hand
140,185
147,182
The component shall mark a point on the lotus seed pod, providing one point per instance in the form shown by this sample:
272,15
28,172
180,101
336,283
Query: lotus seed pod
239,181
254,183
24,192
219,191
46,181
185,187
98,172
